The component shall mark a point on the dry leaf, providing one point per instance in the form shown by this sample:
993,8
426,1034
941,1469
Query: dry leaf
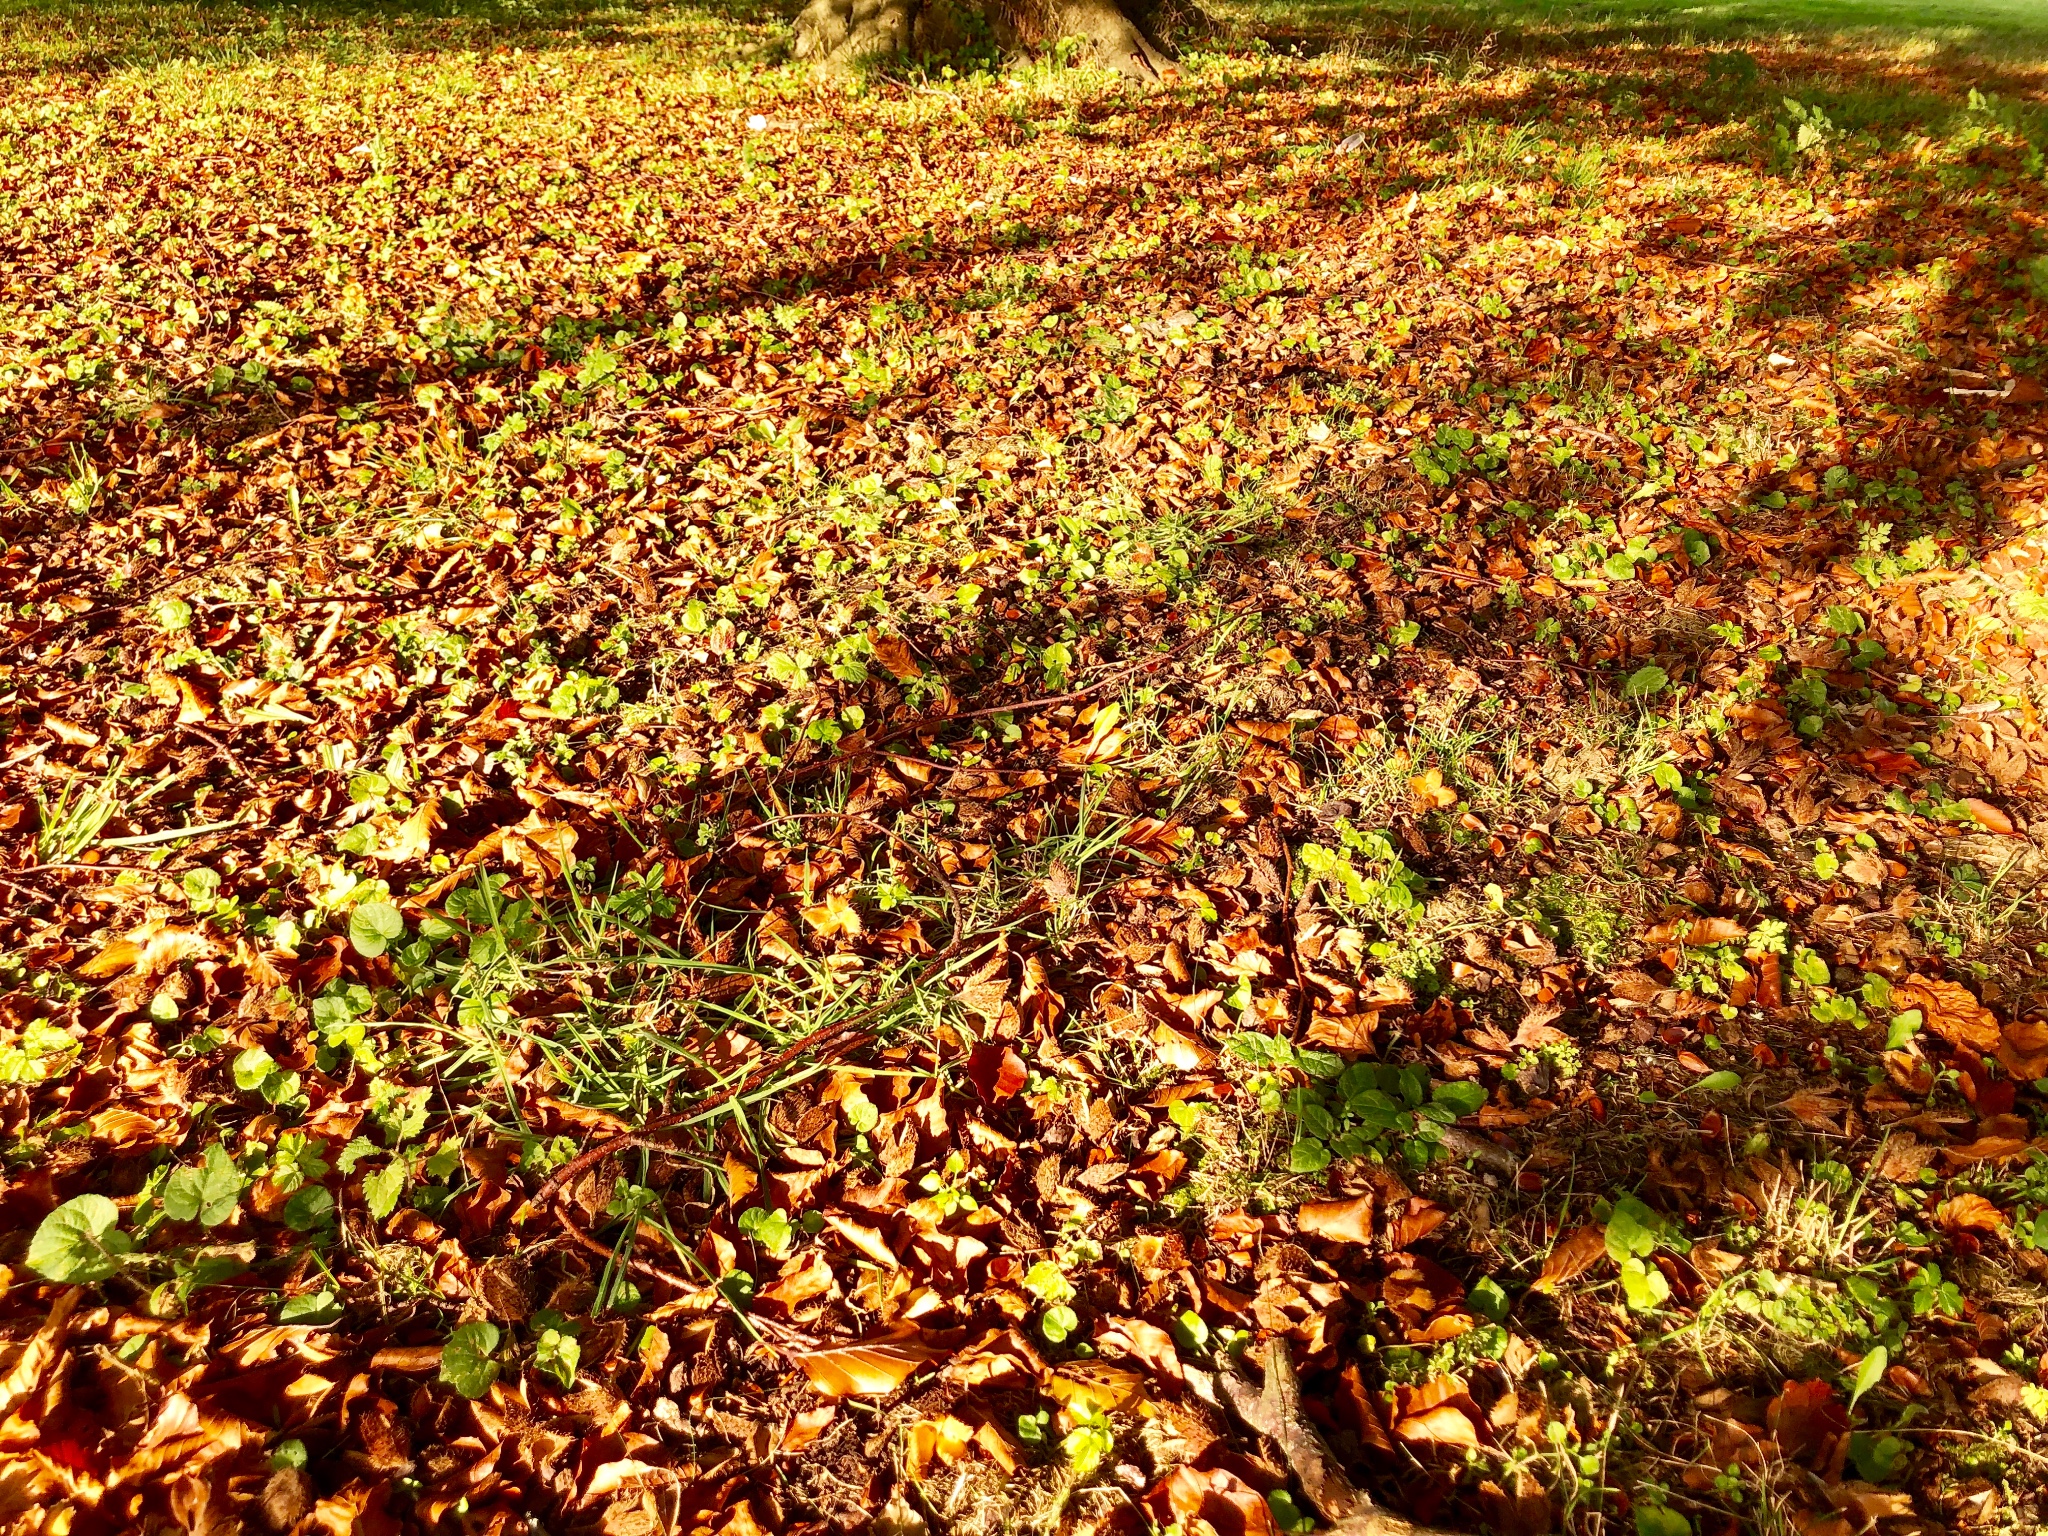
1414,1221
1352,1033
1340,1221
1443,1425
1573,1257
777,940
874,1368
1991,818
2023,1050
1430,792
895,654
1969,1213
1951,1011
1097,1383
412,838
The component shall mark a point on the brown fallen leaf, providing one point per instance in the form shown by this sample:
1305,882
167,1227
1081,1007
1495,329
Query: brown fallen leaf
1098,1384
1951,1011
894,653
2023,1051
1969,1213
1340,1221
412,838
777,940
873,1368
1819,1111
1351,1032
1413,1222
805,1427
1135,1339
1573,1257
1443,1425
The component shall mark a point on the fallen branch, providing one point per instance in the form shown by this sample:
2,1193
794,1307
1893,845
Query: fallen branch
1275,1412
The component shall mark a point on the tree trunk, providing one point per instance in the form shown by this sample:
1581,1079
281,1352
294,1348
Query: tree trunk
843,36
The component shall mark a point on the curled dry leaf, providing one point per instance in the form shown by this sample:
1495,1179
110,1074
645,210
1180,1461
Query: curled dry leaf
1098,1384
2023,1050
1413,1222
1991,818
1352,1033
1950,1011
894,653
1443,1425
1969,1213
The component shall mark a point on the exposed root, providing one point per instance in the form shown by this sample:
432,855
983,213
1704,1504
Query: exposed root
842,36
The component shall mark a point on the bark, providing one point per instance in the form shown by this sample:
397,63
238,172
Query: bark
844,36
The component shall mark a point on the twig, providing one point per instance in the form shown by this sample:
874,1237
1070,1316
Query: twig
169,834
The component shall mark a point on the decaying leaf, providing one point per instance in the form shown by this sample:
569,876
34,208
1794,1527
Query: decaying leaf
1951,1011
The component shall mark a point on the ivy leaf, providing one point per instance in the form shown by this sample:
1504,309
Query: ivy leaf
253,1068
1460,1098
1488,1299
80,1242
312,1310
466,1363
1058,1323
555,1354
1660,1520
1308,1156
311,1207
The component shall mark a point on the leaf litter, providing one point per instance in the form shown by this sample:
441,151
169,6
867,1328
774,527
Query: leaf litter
987,803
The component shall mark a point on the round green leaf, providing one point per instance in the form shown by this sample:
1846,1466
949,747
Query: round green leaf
1657,1520
374,927
79,1242
466,1363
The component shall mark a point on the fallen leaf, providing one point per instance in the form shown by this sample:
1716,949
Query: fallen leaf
1991,818
1340,1221
1951,1011
874,1368
1414,1221
412,838
1098,1384
1572,1257
1969,1213
1443,1425
895,654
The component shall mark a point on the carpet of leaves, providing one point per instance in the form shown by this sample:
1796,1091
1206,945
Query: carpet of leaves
731,806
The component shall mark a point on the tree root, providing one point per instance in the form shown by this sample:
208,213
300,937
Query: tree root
841,37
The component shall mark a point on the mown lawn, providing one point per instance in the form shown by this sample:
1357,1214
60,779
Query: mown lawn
740,804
